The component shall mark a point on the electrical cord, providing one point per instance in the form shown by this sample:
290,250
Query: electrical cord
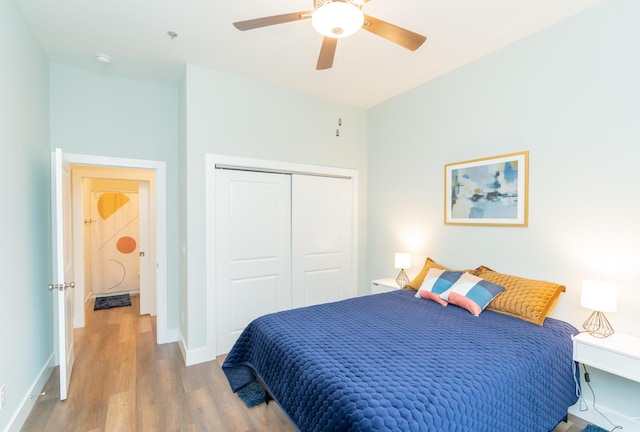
575,380
588,381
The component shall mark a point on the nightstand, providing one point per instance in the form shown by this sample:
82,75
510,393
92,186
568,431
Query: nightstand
379,286
618,354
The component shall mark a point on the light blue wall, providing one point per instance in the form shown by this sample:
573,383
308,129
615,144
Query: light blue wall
571,96
94,113
98,114
228,115
25,309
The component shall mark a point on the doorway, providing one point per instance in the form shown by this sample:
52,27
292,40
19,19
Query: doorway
151,178
117,228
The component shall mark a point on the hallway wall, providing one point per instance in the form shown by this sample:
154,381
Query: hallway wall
98,114
25,257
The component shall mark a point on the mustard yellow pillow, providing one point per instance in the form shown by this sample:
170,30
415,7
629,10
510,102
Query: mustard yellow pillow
416,283
528,299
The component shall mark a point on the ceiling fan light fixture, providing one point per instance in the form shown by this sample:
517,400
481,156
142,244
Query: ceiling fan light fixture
337,19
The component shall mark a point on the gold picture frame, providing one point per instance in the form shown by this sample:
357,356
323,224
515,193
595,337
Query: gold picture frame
490,191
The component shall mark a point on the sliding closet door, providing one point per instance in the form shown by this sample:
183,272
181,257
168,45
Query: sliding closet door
322,227
253,249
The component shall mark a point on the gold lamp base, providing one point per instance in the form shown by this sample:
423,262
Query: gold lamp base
598,326
402,279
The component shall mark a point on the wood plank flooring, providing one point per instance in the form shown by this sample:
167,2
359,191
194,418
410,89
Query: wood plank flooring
123,381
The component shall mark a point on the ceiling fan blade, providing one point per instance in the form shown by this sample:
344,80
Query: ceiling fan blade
327,52
403,37
271,20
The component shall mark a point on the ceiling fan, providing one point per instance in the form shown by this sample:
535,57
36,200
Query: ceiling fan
335,19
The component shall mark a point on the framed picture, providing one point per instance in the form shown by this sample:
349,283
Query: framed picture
488,191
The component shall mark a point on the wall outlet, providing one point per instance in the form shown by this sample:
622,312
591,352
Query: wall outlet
2,395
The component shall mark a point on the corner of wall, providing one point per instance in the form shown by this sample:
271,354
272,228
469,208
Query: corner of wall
195,356
30,399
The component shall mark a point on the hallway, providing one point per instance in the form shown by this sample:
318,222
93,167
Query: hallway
123,381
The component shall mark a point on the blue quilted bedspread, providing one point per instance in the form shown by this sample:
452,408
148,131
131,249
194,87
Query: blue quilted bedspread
394,362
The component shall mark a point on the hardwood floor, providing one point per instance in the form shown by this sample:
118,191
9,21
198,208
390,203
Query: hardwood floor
123,381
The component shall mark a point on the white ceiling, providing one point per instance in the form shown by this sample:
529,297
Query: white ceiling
367,69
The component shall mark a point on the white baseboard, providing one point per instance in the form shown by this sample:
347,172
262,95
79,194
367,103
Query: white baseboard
183,348
111,294
199,355
30,399
168,336
195,356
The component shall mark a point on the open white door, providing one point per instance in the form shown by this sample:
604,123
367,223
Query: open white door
62,267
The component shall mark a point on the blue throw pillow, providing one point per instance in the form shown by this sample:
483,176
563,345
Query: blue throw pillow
437,282
472,293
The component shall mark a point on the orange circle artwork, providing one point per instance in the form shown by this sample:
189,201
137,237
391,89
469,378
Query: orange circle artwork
126,245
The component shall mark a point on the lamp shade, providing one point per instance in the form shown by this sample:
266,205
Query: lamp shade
403,260
337,19
599,296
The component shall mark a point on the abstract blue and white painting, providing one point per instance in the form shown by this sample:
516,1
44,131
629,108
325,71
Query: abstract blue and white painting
490,191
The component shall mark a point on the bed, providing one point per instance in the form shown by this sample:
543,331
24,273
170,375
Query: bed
392,361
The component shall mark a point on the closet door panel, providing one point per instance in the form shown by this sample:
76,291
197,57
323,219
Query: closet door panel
321,240
323,286
250,298
253,249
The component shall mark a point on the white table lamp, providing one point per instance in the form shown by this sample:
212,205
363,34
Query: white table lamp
403,261
600,297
